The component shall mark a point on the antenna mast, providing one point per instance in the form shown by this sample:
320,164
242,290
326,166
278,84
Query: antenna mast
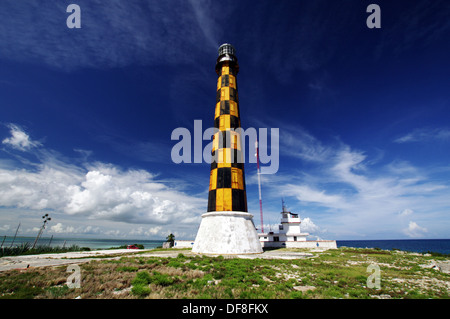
259,186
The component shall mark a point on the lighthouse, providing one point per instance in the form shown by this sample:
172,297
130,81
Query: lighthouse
227,227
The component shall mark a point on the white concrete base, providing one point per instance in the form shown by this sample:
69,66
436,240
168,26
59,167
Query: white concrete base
227,233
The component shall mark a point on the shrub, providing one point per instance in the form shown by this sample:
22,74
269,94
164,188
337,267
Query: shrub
161,279
296,295
58,291
140,284
127,268
142,278
175,264
141,290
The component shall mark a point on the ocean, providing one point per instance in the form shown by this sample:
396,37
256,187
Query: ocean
415,245
92,243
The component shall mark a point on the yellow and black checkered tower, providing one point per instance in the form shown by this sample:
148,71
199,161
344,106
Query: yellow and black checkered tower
227,227
227,179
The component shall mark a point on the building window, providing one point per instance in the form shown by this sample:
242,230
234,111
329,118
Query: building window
280,227
276,238
295,238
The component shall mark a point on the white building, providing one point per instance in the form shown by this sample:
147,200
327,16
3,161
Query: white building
289,235
183,244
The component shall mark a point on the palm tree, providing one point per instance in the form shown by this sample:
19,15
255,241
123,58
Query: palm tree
171,239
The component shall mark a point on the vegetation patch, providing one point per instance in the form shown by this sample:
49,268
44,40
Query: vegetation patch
339,273
26,249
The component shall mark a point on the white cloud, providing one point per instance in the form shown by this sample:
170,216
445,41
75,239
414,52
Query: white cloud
352,195
59,228
44,188
19,139
406,212
103,192
425,134
297,142
308,226
96,191
5,227
307,194
151,231
414,230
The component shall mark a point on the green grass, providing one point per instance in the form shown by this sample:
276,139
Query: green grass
58,291
143,279
18,287
333,274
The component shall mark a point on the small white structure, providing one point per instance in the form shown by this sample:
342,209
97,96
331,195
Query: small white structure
290,236
227,233
183,244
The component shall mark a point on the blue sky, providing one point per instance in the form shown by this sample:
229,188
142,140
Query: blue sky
86,115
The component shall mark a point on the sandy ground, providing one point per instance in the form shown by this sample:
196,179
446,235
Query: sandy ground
43,260
22,262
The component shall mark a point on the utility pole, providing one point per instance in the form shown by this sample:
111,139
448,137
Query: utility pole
46,219
259,186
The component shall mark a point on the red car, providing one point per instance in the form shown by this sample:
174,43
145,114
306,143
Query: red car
132,247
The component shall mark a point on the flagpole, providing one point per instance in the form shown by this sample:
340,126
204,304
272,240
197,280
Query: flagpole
259,186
